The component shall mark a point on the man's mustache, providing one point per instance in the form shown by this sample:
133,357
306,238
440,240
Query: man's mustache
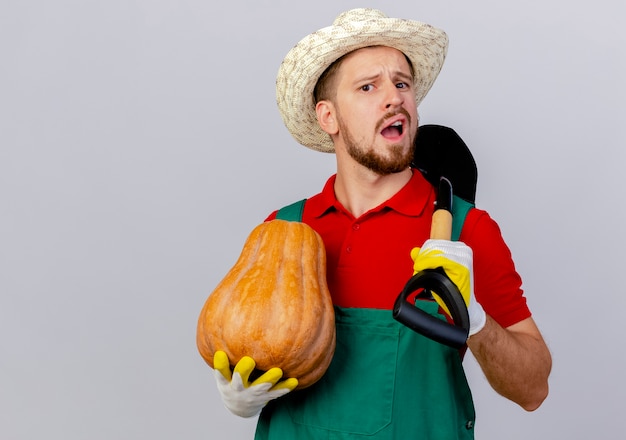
389,115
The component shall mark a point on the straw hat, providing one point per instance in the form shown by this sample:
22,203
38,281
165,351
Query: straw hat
423,44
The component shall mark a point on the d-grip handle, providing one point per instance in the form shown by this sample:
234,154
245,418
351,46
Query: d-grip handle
453,335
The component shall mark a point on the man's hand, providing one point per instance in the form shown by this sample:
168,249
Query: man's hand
241,397
456,259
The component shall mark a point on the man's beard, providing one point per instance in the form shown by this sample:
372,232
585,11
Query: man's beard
398,160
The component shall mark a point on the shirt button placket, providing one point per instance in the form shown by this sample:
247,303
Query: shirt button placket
355,227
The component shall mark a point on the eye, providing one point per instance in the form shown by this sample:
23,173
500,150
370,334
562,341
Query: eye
402,85
367,87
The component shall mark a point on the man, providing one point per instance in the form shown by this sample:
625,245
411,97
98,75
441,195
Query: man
353,89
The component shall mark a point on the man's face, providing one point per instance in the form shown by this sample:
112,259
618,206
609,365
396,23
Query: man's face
375,109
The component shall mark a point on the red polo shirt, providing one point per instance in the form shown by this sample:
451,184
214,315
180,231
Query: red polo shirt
369,260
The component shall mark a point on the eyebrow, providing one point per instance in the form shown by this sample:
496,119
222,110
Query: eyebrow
398,73
405,76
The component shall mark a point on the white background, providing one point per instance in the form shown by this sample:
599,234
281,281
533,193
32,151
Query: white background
140,143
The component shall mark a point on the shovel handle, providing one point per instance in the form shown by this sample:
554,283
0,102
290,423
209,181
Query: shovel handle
441,225
435,280
453,335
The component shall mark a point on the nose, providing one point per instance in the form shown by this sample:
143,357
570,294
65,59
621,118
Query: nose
393,97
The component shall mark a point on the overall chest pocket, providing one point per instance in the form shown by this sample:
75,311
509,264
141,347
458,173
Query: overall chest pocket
356,394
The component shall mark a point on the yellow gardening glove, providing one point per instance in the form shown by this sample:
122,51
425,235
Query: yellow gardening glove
241,397
456,259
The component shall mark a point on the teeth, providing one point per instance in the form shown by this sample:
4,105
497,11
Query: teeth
397,124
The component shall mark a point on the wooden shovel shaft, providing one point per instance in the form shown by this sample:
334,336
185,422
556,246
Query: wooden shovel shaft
441,225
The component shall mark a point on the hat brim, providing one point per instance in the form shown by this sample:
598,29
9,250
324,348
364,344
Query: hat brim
424,45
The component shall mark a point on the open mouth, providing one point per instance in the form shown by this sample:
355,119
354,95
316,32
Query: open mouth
394,130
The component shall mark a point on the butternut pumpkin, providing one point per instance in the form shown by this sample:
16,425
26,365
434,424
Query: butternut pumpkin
274,305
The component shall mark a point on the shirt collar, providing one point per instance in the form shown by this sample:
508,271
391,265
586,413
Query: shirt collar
411,200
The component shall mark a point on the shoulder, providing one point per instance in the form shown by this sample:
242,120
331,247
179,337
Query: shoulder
313,206
478,226
483,234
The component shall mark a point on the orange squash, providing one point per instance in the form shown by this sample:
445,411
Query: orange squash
274,305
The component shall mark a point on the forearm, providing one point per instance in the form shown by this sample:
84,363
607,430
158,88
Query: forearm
515,361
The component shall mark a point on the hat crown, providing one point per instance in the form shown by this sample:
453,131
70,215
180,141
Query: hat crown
348,18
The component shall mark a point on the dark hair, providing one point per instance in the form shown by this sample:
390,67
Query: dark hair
324,88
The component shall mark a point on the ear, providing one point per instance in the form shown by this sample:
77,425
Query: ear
326,117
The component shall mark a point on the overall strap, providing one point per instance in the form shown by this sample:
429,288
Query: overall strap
460,208
293,212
